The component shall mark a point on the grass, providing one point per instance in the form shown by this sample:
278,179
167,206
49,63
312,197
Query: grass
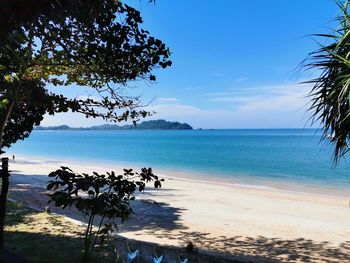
41,237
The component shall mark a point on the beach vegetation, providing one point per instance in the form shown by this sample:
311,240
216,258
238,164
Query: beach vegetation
96,45
101,198
99,47
330,95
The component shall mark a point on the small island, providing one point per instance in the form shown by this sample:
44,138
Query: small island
146,125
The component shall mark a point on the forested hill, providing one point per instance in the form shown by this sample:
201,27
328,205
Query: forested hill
146,125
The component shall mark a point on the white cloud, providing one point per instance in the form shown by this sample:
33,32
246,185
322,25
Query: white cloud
270,95
280,106
160,100
237,99
70,119
286,107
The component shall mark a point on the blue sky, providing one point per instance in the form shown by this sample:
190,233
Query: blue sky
234,61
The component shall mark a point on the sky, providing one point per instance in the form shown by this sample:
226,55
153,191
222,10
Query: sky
236,63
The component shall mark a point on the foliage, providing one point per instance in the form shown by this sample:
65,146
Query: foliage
97,44
331,90
101,198
14,12
26,112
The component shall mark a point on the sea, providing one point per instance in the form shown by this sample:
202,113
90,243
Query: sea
249,157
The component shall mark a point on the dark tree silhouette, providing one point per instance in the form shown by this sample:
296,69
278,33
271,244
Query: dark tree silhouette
331,90
96,44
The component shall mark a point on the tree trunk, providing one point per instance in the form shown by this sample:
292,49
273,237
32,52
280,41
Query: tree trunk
4,120
3,197
4,174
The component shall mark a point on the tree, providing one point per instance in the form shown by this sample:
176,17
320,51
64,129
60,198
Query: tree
97,44
101,198
330,96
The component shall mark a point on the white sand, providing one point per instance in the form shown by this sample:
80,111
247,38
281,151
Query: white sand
220,216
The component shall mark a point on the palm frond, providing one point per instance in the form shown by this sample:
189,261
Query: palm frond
330,95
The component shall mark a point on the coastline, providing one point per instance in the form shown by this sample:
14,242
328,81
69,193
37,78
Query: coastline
204,212
193,176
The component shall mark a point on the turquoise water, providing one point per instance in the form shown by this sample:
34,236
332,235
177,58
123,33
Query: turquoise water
294,155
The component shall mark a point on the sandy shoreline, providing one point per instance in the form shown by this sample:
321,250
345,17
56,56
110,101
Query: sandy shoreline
191,176
218,216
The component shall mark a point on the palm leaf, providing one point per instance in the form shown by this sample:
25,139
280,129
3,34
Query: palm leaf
330,95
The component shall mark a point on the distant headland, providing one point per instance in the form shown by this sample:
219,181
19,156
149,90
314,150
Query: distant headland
146,125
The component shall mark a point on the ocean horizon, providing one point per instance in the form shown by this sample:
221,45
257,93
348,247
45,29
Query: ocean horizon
244,156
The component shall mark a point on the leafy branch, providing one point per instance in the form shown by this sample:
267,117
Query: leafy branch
101,198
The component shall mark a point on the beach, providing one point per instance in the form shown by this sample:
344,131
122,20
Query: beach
216,216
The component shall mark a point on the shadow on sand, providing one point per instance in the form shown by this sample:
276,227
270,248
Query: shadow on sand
164,222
